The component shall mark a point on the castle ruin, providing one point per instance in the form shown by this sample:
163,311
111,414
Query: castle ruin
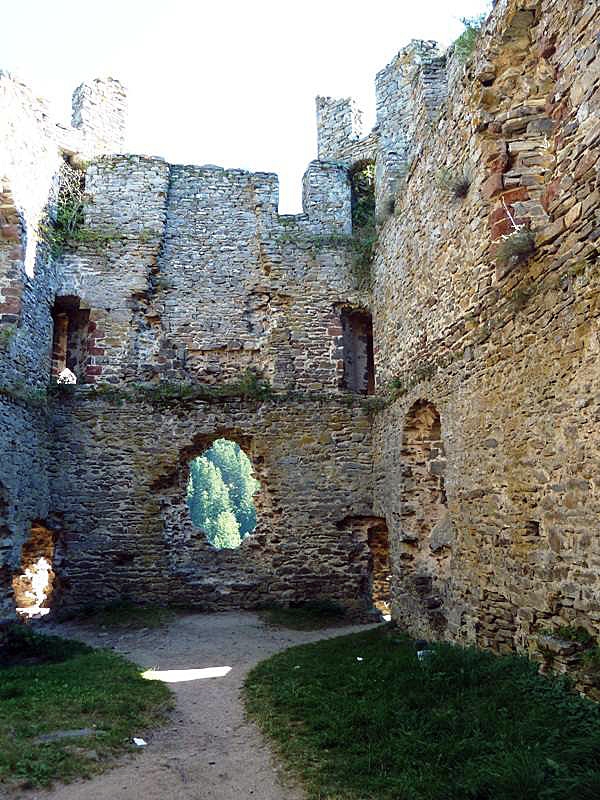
435,416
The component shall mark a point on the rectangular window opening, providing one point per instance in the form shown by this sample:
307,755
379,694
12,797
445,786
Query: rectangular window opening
357,341
70,340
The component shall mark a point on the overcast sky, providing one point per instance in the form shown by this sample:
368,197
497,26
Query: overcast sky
229,82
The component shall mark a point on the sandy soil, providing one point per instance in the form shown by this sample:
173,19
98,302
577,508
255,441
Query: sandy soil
207,751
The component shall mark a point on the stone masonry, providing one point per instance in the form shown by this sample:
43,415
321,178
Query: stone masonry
476,459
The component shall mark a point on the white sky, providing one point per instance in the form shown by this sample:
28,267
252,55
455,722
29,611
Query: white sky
227,82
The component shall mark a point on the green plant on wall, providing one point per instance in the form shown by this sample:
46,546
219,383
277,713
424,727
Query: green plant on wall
516,247
465,44
66,229
591,663
455,182
58,230
7,334
364,230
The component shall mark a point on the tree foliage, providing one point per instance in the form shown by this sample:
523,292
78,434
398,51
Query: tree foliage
220,494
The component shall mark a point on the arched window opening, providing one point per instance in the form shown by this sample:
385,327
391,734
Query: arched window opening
427,531
34,584
362,188
70,340
220,494
357,345
379,547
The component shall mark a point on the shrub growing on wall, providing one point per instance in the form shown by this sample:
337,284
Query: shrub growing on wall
465,44
364,232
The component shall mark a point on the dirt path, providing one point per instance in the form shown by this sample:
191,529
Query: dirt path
207,751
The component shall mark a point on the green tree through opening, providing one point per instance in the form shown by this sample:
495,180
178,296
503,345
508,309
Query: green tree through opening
220,494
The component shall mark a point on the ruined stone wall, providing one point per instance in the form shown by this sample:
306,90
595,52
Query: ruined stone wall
121,493
505,352
191,279
190,274
485,467
32,147
182,276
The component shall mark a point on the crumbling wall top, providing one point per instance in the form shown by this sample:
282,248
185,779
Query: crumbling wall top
99,112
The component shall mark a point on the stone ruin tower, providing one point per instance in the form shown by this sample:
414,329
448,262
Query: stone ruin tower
423,421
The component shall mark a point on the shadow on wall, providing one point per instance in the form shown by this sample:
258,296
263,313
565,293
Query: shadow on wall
371,553
427,531
357,342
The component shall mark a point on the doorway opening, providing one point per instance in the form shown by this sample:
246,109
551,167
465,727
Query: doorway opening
34,584
381,578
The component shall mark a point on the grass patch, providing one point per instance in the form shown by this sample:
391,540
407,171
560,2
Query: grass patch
464,725
68,686
311,616
122,614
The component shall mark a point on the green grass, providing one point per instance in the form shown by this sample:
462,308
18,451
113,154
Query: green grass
465,725
63,686
310,616
126,615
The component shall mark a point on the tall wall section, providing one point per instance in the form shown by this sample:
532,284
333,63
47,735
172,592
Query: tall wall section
193,281
178,296
486,463
32,150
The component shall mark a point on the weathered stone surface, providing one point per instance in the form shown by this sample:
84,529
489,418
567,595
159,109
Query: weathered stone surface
483,467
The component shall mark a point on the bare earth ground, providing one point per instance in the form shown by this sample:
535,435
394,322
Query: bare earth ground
207,751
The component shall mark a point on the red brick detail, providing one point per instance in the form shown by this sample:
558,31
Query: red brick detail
12,232
493,186
500,221
12,306
515,195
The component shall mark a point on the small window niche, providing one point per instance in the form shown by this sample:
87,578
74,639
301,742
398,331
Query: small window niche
70,340
357,343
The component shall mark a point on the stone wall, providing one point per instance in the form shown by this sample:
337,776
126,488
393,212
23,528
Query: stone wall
481,460
32,149
505,351
121,494
178,276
